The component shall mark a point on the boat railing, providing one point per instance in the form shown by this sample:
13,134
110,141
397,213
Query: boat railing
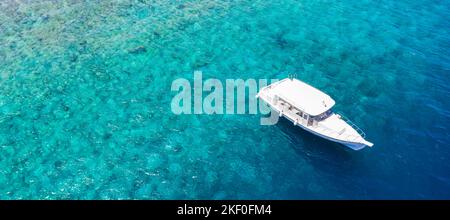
334,133
353,125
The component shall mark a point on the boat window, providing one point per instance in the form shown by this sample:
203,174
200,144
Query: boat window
324,115
310,121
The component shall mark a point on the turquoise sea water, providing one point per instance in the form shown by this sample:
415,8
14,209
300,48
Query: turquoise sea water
85,99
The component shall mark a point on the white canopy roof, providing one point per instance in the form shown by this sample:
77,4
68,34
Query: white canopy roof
303,96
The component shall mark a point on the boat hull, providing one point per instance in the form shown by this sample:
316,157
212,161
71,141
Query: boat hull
355,146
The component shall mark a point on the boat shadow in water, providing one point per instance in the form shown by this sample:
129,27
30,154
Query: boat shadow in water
321,153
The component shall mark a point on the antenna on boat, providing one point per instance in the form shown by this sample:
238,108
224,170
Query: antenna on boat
292,76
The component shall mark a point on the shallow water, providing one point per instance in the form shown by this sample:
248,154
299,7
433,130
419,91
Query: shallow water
85,99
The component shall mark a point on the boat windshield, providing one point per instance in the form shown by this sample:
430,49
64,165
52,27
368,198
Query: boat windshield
324,115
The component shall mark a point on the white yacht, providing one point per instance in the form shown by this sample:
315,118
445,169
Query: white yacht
310,109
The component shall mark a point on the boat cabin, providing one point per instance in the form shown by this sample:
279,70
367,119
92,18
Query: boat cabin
302,103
